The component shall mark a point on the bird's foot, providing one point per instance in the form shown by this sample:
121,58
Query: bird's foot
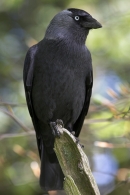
82,146
60,123
77,142
55,130
54,127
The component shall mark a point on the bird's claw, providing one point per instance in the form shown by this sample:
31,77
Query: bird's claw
77,142
55,130
82,146
60,123
54,127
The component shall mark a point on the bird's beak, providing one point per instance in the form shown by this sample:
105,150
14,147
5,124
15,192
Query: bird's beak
91,23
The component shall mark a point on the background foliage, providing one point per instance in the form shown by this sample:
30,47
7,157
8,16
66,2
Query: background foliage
107,128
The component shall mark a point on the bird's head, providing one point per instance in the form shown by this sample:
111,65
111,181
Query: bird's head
71,23
84,19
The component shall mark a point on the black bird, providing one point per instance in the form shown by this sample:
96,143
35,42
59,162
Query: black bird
58,81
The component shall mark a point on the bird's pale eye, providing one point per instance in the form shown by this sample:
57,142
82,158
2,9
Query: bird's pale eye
76,18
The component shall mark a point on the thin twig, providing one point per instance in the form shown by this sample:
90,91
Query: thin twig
11,104
9,135
111,145
111,119
26,129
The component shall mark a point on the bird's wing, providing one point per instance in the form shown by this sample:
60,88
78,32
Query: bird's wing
28,72
51,176
79,123
28,75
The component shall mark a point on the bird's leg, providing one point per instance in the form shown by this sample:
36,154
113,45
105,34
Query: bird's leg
73,133
54,127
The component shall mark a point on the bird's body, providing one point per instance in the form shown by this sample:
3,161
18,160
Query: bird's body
58,83
62,81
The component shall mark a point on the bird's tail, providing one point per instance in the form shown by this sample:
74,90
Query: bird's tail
51,177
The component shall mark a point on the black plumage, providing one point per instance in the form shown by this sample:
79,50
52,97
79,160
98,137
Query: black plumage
58,84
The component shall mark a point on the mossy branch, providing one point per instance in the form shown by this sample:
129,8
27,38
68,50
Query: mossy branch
75,166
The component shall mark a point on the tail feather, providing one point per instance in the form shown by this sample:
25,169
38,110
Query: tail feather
51,177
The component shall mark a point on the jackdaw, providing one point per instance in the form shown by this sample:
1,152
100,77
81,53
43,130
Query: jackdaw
58,81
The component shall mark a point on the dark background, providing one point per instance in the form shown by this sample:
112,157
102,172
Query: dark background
106,131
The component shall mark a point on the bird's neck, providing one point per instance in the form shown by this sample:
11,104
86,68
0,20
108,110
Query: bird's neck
71,35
